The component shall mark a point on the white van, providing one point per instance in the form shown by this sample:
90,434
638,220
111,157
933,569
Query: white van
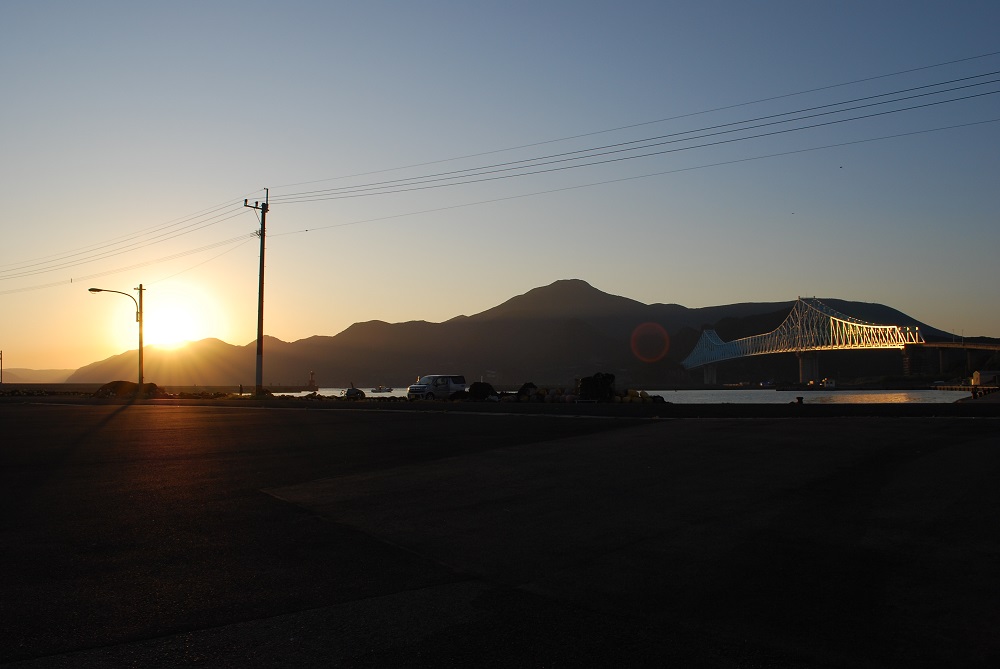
436,386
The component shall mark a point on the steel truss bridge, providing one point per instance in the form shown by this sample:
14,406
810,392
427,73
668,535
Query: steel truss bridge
810,327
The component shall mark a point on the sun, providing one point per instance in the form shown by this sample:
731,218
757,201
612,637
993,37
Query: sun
170,327
175,316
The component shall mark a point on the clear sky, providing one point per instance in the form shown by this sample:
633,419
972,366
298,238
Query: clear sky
131,132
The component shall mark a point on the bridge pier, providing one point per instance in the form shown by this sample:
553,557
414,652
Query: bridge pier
709,375
808,366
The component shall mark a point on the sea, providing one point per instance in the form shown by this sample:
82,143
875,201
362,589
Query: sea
751,396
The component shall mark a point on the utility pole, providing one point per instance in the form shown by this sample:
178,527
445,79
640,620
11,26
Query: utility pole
262,208
138,317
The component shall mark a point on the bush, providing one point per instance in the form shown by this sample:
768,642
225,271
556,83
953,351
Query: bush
597,388
481,391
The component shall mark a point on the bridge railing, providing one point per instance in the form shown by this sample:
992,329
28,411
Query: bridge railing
811,326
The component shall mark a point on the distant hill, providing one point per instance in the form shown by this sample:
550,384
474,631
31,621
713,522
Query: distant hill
19,375
552,335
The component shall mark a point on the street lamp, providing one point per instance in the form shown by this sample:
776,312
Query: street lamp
138,319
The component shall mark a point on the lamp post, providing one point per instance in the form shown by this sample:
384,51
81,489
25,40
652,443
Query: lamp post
138,319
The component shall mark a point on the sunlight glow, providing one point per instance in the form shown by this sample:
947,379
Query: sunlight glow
177,314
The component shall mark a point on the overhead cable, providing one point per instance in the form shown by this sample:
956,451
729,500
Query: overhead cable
413,187
644,123
634,177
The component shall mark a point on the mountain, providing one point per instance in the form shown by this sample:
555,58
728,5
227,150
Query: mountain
19,375
552,334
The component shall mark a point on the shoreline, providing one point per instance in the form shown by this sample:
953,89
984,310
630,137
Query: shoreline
987,406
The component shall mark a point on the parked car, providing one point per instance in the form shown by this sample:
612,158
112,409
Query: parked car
436,386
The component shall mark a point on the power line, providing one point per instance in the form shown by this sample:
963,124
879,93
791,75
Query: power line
635,144
407,188
225,211
114,241
64,264
72,260
662,120
174,256
203,262
636,177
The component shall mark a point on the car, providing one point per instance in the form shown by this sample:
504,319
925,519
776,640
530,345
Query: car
436,386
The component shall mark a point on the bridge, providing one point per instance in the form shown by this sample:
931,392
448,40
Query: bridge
810,327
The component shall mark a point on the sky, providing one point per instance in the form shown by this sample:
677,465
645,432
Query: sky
425,160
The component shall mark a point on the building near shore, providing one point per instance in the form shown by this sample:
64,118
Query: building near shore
986,378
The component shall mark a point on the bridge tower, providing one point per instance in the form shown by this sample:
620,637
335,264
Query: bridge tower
808,366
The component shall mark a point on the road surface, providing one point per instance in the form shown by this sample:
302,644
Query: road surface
256,537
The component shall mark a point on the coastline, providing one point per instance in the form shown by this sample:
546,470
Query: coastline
987,406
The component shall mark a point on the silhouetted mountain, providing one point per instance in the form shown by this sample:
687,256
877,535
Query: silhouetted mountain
553,335
20,375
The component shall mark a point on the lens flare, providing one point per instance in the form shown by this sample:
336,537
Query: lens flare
650,342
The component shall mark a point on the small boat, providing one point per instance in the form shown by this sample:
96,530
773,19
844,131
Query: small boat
381,389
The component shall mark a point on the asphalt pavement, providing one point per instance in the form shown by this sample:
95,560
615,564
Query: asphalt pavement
162,535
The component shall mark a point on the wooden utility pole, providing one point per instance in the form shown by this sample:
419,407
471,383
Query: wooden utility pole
139,318
262,208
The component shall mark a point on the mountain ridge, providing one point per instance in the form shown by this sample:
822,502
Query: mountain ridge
551,334
24,375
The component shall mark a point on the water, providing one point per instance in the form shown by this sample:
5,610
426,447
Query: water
763,396
746,396
397,391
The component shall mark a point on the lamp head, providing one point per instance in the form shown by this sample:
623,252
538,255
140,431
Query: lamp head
96,290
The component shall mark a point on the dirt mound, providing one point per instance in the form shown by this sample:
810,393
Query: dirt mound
121,389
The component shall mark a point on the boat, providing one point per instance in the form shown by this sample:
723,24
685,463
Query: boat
381,389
